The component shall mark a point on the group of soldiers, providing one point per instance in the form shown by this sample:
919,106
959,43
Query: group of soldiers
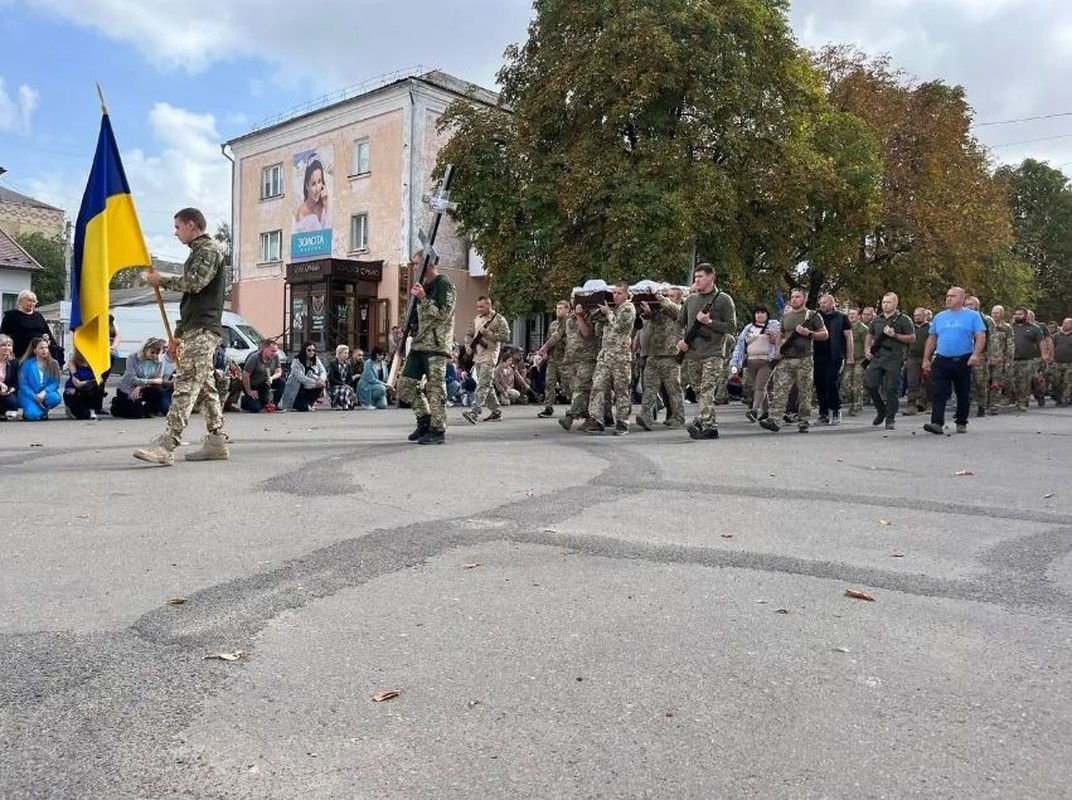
593,349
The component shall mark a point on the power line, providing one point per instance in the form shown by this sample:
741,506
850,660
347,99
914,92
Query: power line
1022,119
1031,142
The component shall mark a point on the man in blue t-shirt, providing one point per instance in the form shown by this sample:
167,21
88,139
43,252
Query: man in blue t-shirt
956,342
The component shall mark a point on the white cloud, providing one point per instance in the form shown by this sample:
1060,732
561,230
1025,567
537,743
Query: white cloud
1012,57
187,169
16,113
331,44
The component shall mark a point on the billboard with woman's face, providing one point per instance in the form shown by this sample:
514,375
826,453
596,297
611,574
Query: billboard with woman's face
311,237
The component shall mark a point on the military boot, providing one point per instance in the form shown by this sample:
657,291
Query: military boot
432,436
423,424
592,426
214,448
548,411
160,451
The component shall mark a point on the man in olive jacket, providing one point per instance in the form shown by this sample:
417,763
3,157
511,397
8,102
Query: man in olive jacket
705,367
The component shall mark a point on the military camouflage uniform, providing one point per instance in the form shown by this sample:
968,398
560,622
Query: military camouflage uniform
195,376
1027,342
999,352
428,355
852,376
613,369
919,389
980,390
796,368
705,360
556,374
661,368
1061,369
495,331
580,363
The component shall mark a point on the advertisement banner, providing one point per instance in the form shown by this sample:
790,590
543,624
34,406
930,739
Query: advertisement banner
312,179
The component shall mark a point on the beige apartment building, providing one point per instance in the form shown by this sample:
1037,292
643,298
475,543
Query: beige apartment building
327,206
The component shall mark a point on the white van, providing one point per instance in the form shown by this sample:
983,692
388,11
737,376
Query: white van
137,323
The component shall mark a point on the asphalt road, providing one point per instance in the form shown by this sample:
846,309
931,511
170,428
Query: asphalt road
562,615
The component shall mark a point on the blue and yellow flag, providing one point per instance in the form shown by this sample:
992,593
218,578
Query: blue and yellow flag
107,238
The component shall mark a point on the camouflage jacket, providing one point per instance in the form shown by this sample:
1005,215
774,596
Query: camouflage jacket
666,330
435,317
1000,343
618,332
580,348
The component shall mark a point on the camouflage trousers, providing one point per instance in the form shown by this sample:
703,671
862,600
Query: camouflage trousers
705,375
194,381
722,391
1018,388
662,371
581,373
919,385
612,375
486,396
980,389
556,376
999,383
427,397
790,372
1061,375
852,386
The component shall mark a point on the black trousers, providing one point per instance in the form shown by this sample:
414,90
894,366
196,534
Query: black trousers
828,382
949,375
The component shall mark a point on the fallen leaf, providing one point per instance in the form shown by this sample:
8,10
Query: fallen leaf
176,601
727,536
1048,496
896,554
385,695
841,650
781,611
474,703
36,445
856,594
962,472
234,655
885,522
470,566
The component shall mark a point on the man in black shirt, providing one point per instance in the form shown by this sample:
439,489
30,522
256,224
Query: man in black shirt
828,355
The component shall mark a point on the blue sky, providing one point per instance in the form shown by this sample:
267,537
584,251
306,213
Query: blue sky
180,83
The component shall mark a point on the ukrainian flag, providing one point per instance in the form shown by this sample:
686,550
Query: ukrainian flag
107,238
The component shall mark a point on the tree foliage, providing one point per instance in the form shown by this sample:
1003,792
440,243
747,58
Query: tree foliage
48,284
1041,203
641,133
942,216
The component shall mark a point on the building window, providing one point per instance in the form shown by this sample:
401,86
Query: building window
361,158
8,300
359,232
271,246
272,182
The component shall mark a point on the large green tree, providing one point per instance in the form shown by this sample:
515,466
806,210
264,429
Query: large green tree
635,135
1041,202
48,251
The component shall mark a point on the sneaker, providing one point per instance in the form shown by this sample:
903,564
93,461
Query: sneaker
803,427
751,415
621,428
470,417
11,416
68,412
93,415
934,428
889,425
835,418
962,427
824,419
548,411
493,416
644,421
769,424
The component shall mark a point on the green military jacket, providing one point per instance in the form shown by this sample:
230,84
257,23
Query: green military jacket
435,317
